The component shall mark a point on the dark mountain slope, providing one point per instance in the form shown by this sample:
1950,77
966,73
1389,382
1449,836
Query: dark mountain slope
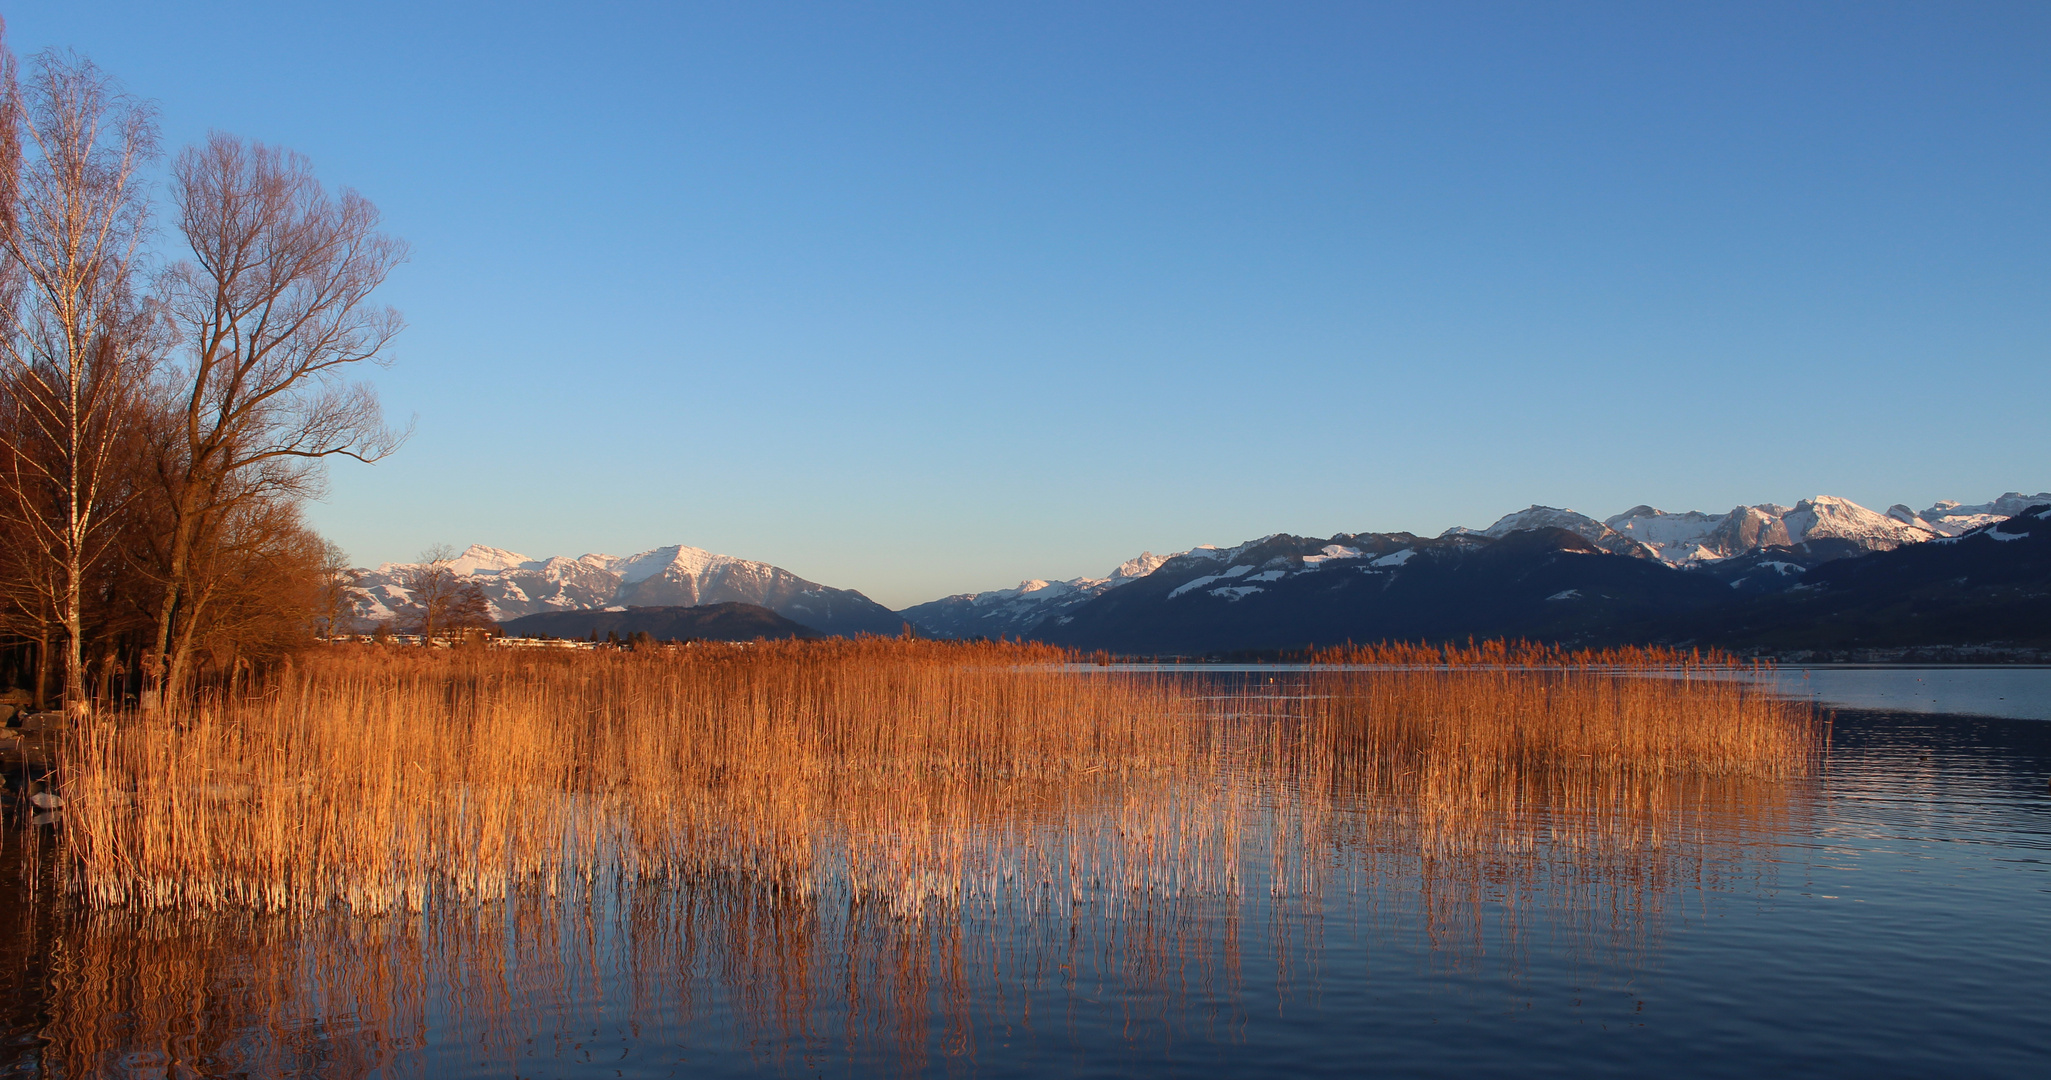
708,622
1990,585
1778,567
1288,592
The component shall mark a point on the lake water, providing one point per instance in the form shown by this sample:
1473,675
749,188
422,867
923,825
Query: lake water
2015,691
1890,916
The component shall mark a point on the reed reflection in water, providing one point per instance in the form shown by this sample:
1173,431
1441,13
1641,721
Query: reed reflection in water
731,967
921,905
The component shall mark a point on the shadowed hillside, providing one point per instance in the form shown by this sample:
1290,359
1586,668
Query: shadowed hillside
708,622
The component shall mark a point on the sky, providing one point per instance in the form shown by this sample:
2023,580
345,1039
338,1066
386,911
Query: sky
924,299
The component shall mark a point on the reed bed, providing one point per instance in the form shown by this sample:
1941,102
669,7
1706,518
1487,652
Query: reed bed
1485,742
380,779
876,847
911,775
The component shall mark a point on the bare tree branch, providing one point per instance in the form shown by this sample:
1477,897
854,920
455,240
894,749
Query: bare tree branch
74,335
274,311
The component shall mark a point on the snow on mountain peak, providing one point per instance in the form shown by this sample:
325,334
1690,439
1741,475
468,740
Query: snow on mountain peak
1831,517
478,559
1952,519
515,585
1678,539
1546,517
1693,537
1331,553
1047,590
1037,590
1146,562
1015,611
657,562
1675,538
1553,517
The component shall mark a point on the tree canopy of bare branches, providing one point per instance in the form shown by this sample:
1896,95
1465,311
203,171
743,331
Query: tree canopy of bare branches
337,588
272,312
162,421
443,603
75,335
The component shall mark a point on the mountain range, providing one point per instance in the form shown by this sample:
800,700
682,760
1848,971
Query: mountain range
1989,585
1694,537
1542,572
678,576
1753,549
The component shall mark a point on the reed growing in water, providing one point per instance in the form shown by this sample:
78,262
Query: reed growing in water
876,847
912,776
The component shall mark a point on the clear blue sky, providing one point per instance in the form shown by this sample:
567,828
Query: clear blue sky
921,299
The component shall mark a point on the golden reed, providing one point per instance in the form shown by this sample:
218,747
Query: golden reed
1589,784
903,773
880,848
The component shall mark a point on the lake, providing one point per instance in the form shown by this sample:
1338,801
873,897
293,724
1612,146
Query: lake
1888,916
2016,692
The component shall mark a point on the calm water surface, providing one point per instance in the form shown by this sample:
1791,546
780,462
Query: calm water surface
2013,691
1889,917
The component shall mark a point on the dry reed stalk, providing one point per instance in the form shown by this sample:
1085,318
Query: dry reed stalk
645,821
379,779
907,774
1504,776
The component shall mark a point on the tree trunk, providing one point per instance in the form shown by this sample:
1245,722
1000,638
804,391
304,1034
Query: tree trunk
73,352
43,670
167,611
179,670
75,701
159,656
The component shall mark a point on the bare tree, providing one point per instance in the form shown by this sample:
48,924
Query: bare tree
338,588
469,612
149,515
74,336
10,156
432,584
442,601
273,312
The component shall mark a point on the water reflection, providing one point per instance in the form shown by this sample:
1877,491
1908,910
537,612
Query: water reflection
646,974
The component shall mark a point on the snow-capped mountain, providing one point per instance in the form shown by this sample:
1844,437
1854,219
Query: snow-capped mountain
1281,591
1552,517
1747,550
1014,611
1693,538
516,585
1985,588
1980,593
1952,519
1766,547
